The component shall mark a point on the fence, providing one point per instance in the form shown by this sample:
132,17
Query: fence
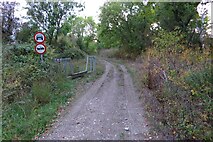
70,66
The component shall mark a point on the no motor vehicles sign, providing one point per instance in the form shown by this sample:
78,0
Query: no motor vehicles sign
39,37
40,48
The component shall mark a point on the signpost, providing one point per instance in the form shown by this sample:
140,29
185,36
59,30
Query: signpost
40,48
39,37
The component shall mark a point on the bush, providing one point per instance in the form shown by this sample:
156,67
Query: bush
26,33
62,43
72,53
41,91
167,40
188,112
28,89
21,68
127,53
185,99
92,47
64,48
200,81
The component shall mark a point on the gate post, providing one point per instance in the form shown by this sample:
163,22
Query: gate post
71,68
94,64
91,68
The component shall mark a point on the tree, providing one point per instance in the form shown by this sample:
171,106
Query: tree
82,29
49,16
26,32
172,15
9,21
90,31
178,15
126,25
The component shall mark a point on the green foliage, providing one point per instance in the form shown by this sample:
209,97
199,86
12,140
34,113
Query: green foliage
27,117
126,25
132,26
73,53
32,92
62,43
26,33
81,31
188,113
166,40
50,15
203,78
201,82
41,92
67,26
92,47
172,15
185,104
64,48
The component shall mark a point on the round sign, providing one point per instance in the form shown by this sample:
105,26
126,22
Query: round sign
40,48
39,37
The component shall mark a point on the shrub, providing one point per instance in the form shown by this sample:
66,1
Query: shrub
167,40
200,81
41,91
62,43
92,47
127,53
32,91
185,98
64,48
72,53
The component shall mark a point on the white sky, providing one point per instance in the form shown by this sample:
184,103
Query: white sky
91,8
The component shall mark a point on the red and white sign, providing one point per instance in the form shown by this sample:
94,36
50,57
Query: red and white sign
40,48
39,37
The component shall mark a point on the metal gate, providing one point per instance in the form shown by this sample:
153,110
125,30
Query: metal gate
69,66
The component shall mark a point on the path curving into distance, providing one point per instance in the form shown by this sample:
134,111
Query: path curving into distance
109,110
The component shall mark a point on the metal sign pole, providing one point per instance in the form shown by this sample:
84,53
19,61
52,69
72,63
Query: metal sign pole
42,58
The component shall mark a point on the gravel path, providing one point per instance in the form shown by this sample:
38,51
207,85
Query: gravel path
109,110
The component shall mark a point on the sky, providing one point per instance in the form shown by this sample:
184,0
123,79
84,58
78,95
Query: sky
92,8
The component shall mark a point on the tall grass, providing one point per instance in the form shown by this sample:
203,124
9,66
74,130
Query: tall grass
28,115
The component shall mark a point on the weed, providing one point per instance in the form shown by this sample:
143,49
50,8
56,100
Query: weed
37,91
185,98
41,92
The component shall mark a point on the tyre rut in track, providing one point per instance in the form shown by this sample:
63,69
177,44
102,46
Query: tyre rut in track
110,110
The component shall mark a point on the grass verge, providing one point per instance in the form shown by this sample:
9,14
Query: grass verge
32,114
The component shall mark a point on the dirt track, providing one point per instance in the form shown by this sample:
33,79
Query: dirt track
109,110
